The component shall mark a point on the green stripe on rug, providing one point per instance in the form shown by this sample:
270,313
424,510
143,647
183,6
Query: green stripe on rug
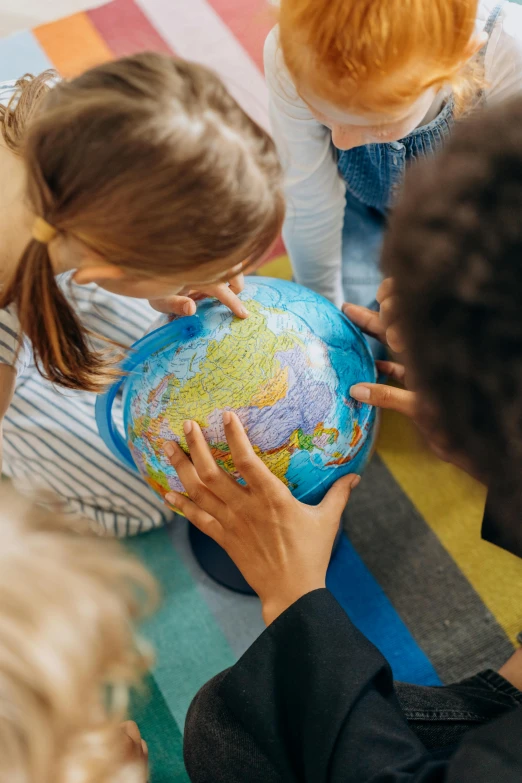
159,729
183,630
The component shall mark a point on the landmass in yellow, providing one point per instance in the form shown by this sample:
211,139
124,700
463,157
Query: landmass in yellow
239,370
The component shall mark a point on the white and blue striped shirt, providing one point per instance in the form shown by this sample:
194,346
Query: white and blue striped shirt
52,448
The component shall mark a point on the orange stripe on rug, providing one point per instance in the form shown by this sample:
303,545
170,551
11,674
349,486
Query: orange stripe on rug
73,44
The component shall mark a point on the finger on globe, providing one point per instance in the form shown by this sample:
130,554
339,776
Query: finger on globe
285,372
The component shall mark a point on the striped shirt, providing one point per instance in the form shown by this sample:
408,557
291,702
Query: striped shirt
52,448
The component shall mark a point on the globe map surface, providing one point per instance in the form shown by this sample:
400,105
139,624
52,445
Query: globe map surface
286,371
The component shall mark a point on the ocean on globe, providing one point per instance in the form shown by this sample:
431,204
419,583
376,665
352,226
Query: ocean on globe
286,371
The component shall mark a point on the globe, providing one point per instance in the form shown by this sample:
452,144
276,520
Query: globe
286,371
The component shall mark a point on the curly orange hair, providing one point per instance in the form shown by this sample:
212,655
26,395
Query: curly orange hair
377,55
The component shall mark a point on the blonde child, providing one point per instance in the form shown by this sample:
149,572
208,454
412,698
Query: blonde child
142,178
68,655
360,89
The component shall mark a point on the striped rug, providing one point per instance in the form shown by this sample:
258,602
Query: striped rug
411,571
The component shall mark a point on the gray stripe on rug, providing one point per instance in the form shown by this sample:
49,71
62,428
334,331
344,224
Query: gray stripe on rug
438,604
239,616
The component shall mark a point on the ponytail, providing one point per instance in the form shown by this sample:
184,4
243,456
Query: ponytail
61,346
60,343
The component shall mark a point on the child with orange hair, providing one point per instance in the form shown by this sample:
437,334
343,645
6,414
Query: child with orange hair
359,89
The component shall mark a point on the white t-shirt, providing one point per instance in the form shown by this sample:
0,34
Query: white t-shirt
315,193
14,349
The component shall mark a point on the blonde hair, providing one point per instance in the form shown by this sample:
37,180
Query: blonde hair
379,55
152,164
68,654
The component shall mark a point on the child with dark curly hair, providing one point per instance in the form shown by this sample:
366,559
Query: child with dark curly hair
312,699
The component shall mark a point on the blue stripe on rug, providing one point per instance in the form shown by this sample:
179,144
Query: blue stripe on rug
19,54
190,646
370,610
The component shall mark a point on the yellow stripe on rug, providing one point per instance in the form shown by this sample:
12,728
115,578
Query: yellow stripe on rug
279,267
452,504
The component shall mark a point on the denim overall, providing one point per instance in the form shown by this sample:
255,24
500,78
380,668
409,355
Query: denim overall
373,174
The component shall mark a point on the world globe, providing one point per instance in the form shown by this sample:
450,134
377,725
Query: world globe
286,371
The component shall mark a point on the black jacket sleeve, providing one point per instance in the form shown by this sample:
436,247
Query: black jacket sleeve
318,699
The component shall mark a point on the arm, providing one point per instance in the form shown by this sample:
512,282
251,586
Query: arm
314,693
330,714
315,193
318,699
13,356
7,385
503,63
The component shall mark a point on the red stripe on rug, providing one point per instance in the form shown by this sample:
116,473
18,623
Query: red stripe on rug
250,21
126,29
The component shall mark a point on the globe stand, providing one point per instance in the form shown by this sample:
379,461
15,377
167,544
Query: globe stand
219,566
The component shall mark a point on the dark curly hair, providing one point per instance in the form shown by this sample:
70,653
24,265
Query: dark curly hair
454,248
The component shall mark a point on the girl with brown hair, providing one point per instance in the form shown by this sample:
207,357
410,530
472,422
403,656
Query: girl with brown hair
142,178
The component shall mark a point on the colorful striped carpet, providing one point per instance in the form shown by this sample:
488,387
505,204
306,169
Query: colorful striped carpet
412,571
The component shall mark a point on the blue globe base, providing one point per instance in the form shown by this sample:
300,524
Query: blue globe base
219,566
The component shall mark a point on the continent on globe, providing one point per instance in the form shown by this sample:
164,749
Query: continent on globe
286,371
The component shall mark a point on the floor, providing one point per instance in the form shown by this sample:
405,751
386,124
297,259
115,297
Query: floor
23,14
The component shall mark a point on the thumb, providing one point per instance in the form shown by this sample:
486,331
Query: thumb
399,400
337,497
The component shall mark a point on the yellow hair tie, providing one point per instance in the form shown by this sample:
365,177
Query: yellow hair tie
43,231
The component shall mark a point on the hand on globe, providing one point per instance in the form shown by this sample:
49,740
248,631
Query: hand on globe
384,325
185,302
281,546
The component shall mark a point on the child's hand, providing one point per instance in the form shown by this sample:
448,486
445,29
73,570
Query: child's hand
281,546
135,750
384,325
185,302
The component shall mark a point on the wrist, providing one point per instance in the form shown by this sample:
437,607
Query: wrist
276,604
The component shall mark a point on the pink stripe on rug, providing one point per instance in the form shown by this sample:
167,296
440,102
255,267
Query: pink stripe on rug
126,29
197,32
250,21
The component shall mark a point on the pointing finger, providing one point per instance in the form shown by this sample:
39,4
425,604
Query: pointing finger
399,400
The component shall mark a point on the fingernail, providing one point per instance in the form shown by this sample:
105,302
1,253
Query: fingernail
188,309
170,497
169,449
359,392
187,427
244,312
355,482
227,418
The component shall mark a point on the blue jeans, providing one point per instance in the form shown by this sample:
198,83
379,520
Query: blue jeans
362,241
